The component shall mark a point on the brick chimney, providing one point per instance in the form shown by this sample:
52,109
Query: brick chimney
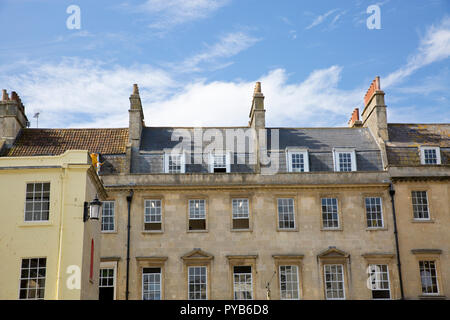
12,118
374,116
374,113
354,120
257,111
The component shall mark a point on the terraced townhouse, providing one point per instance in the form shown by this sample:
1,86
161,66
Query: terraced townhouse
256,212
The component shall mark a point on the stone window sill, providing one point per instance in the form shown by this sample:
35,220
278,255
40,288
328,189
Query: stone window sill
331,229
153,232
197,231
377,229
36,224
422,221
432,297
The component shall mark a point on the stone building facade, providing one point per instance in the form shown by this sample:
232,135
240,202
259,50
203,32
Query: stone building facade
256,212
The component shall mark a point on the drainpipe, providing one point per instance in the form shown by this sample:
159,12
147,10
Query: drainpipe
129,198
399,265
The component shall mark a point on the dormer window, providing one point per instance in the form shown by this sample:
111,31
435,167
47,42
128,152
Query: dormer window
219,162
344,159
430,155
174,163
297,160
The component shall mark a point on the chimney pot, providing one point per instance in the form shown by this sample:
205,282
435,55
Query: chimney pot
354,119
5,96
135,89
257,87
14,96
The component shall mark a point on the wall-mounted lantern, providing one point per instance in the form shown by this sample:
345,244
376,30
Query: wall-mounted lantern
92,209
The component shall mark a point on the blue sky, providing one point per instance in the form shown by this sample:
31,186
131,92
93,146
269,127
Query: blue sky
196,61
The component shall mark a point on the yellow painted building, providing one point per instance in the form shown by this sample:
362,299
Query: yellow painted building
47,250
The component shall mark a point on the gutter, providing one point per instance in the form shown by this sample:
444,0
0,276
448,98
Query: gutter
129,199
399,265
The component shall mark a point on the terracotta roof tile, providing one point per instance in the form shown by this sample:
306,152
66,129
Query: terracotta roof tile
34,142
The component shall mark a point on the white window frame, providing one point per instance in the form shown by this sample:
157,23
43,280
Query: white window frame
381,212
298,282
378,280
337,151
28,277
192,215
160,281
206,281
325,280
337,213
428,205
149,215
33,202
293,214
437,277
227,155
422,155
292,151
238,215
251,283
110,265
113,216
182,156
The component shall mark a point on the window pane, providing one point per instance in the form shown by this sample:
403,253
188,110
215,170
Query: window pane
334,281
289,282
297,162
197,283
286,217
330,217
242,283
374,213
240,208
379,278
108,208
37,201
197,209
345,161
151,284
420,204
32,278
152,211
428,277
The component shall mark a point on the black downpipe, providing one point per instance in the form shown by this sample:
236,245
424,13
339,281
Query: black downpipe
129,198
399,265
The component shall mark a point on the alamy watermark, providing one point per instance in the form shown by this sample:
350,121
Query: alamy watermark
74,20
374,20
241,146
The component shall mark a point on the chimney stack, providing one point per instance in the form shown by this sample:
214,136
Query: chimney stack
374,113
5,96
257,111
12,117
136,124
354,120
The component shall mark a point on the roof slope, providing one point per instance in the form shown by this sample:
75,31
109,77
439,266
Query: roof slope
35,142
405,140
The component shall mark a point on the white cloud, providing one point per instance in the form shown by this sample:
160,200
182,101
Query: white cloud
320,19
78,93
227,46
434,47
82,93
169,13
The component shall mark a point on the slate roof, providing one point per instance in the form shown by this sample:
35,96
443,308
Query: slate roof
317,139
405,139
319,142
36,142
